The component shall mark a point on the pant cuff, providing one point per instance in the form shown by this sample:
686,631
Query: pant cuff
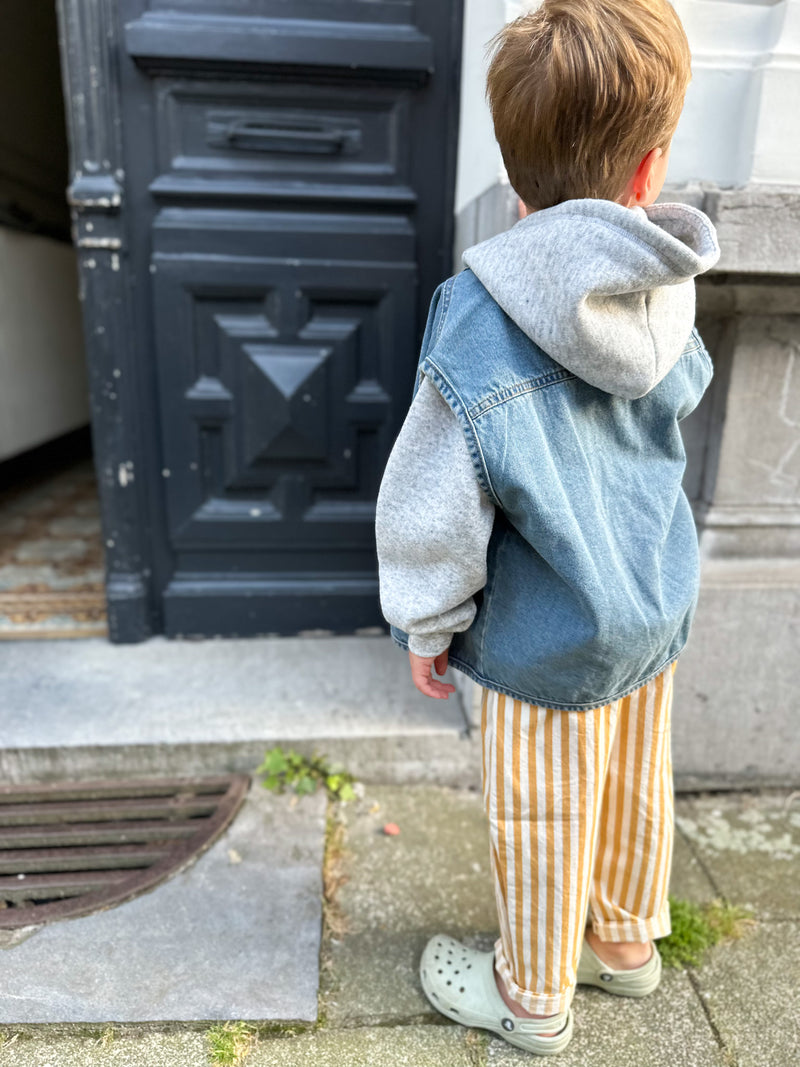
633,929
535,1003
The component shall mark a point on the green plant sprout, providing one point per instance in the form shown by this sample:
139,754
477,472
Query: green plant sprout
304,774
696,929
231,1043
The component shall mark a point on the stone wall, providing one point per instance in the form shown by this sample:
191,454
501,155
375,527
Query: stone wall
738,691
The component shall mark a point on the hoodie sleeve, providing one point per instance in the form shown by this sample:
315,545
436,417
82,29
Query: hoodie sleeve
433,525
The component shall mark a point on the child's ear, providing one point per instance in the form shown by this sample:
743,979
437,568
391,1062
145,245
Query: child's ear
639,190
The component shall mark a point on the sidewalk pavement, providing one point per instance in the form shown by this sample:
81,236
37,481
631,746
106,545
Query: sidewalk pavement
387,895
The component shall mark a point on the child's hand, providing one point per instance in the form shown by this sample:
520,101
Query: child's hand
422,679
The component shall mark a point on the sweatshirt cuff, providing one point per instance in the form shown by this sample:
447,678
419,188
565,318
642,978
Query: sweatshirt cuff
428,645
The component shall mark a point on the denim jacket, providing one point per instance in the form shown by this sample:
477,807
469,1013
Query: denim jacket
592,570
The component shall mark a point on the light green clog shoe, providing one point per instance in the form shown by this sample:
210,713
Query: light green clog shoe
634,983
459,982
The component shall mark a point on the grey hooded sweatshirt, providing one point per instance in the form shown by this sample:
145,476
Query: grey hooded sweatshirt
607,292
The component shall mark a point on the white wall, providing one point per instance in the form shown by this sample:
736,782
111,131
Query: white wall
479,162
741,123
43,383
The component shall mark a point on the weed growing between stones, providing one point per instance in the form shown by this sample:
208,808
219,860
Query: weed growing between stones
231,1043
304,774
106,1038
697,928
334,923
477,1043
334,920
281,1030
7,1039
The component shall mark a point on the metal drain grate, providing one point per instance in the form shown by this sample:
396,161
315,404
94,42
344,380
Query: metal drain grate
69,848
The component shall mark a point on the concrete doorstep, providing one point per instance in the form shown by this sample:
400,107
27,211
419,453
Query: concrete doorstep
87,709
177,955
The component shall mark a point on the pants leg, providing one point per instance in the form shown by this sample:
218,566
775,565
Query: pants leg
543,779
630,882
545,793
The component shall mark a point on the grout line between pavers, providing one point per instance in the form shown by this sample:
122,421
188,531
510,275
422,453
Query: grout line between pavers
377,1022
728,1054
700,861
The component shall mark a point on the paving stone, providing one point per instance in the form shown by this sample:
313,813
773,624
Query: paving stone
113,1050
750,845
234,936
402,890
422,1046
387,1046
666,1029
434,877
752,990
688,880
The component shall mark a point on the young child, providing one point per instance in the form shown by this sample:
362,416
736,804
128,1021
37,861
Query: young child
531,526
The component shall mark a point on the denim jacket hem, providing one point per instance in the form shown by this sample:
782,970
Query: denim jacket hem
542,702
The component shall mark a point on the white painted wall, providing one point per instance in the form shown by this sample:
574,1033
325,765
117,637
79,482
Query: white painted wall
480,164
741,123
43,382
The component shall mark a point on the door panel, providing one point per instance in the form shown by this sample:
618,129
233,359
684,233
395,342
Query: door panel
278,355
287,139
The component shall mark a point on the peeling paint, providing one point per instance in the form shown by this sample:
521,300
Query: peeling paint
165,472
117,373
114,261
95,201
125,473
99,242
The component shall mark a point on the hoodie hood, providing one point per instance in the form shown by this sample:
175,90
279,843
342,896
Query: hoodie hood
605,290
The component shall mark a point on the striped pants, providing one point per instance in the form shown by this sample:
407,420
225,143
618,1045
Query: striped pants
580,808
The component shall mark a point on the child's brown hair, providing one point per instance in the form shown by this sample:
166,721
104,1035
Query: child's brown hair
581,90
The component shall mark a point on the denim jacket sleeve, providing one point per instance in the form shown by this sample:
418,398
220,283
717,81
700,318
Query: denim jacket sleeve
433,526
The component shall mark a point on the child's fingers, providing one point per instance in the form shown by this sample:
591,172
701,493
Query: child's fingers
423,680
440,662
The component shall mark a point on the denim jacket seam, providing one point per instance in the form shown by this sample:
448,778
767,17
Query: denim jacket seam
488,601
532,385
454,399
446,295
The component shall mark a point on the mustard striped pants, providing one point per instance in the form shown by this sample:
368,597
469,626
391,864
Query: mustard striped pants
580,808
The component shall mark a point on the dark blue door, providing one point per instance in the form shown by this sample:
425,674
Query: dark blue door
286,211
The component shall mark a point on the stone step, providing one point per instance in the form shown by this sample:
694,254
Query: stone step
92,709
